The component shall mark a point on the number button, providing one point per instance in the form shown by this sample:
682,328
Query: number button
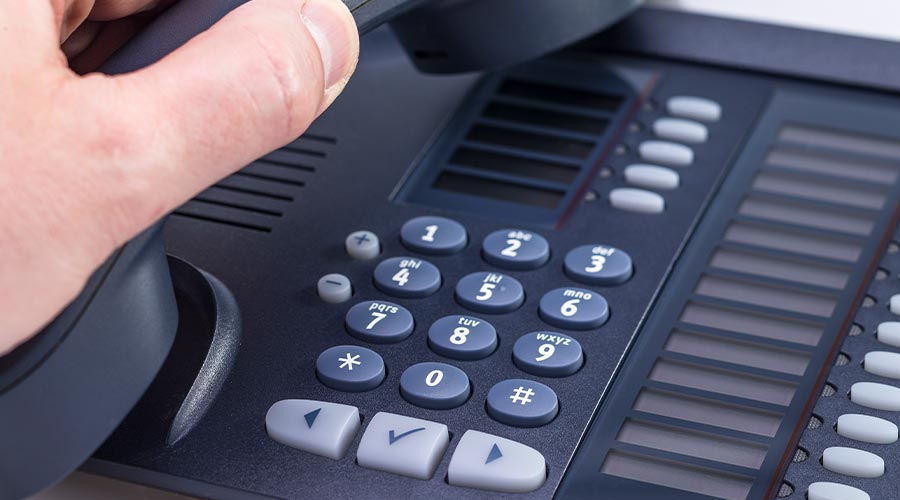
516,249
598,265
437,386
379,322
433,235
522,403
462,337
407,277
350,368
574,308
548,354
490,292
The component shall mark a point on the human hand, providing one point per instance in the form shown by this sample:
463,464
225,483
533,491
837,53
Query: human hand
87,162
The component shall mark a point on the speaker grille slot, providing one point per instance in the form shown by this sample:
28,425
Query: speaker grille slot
256,197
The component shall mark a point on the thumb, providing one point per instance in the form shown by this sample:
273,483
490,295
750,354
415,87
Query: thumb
250,84
108,155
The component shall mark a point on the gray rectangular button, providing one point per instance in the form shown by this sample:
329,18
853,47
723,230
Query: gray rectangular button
322,428
403,445
497,464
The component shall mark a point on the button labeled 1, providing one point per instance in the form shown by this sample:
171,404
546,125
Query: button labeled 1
574,308
516,249
598,265
490,292
548,354
433,235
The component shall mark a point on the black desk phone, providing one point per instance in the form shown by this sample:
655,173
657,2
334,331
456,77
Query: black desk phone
660,262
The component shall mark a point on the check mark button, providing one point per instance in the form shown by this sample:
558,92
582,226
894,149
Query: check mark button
413,446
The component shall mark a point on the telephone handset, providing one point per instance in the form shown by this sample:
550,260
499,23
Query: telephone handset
63,392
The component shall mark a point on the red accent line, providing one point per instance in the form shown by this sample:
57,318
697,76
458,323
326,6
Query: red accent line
610,146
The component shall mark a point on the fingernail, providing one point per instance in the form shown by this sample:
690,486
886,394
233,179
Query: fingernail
334,31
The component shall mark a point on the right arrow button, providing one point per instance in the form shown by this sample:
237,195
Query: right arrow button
494,463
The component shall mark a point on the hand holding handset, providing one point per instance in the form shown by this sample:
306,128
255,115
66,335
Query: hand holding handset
63,392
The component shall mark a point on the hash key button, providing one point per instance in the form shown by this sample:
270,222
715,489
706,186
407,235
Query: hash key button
403,445
317,427
496,464
522,403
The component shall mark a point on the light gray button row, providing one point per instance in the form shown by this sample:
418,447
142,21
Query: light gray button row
695,108
652,176
876,396
834,491
867,429
853,462
637,200
679,129
888,333
666,153
883,364
407,446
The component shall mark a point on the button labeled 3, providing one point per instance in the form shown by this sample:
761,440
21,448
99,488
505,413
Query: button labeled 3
403,445
598,265
494,463
325,429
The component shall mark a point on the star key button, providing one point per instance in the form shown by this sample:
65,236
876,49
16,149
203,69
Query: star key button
403,445
494,463
350,368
